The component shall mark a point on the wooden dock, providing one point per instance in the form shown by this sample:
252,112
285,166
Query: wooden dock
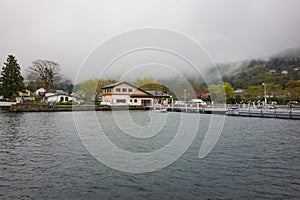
265,113
202,110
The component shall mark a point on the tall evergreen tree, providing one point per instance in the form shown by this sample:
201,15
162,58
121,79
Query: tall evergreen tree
11,80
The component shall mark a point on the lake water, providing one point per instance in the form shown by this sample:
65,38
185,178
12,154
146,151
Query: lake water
42,157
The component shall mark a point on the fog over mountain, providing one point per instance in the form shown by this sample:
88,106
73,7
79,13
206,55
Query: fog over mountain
288,52
68,32
233,68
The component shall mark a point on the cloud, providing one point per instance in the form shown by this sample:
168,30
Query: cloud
67,31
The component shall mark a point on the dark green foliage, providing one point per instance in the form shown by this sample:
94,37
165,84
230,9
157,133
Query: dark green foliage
11,80
66,103
257,72
65,85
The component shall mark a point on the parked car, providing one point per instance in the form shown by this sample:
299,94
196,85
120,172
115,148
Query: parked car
271,106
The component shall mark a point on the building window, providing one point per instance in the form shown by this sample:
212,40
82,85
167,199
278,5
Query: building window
124,89
130,100
118,89
129,89
121,100
61,98
135,101
66,99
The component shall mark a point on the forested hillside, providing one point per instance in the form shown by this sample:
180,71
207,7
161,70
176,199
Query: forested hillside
277,70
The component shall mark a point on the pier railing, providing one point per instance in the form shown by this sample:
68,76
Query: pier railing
282,112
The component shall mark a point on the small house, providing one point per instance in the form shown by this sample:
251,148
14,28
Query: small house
24,96
41,92
59,96
239,91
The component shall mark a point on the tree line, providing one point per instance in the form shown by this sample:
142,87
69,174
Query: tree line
281,76
280,87
42,73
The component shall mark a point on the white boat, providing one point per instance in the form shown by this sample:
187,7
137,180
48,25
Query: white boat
162,110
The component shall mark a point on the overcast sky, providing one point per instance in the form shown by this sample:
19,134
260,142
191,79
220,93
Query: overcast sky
67,31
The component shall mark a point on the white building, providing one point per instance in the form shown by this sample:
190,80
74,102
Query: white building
123,93
60,98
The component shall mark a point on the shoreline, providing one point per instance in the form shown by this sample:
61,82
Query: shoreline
295,115
68,108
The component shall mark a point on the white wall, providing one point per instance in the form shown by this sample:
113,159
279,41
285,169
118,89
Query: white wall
57,98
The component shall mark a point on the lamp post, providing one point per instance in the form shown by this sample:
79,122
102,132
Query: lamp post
265,93
172,102
185,100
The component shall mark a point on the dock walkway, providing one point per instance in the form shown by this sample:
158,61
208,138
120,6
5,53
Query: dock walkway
265,113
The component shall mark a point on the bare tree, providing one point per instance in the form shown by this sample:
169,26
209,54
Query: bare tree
45,71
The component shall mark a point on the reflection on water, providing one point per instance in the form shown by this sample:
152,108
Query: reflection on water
41,157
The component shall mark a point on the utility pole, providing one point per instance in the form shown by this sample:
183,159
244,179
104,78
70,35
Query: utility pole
185,100
172,102
265,93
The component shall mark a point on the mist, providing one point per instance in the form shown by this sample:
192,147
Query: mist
70,32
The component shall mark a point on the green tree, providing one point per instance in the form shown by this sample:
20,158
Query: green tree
292,90
46,72
274,91
147,84
228,90
198,88
11,80
221,91
254,93
91,88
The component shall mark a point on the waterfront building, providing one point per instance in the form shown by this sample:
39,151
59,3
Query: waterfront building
124,93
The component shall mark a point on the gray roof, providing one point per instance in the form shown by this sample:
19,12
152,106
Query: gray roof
112,85
119,83
60,92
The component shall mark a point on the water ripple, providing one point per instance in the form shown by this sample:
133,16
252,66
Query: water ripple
41,157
